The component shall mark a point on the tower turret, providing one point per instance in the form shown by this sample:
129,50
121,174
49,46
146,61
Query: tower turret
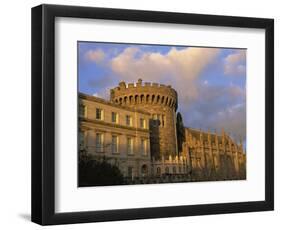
161,102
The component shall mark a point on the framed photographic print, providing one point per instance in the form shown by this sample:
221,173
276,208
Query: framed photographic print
142,114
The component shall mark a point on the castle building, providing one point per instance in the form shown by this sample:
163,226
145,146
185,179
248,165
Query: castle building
214,157
136,131
160,102
118,133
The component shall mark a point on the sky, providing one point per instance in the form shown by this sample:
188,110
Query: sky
211,82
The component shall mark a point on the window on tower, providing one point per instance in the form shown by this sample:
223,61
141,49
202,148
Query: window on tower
142,123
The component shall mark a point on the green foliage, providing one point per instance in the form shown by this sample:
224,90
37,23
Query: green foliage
98,173
180,132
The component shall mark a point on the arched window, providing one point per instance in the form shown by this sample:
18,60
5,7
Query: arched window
120,100
144,170
158,171
142,98
167,170
152,99
125,100
174,169
163,99
131,99
147,98
167,99
158,99
136,99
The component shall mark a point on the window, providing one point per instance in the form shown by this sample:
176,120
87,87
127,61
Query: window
198,163
158,117
167,170
216,162
158,171
99,142
174,170
128,120
163,120
143,147
81,139
142,123
114,117
115,144
130,145
82,110
130,172
99,114
144,170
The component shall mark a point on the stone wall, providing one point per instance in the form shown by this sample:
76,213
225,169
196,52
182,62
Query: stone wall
161,102
214,157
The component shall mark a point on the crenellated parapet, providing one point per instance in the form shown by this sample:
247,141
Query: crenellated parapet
144,93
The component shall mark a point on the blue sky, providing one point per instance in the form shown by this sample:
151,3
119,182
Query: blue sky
211,82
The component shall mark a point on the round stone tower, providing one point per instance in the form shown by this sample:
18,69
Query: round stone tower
161,102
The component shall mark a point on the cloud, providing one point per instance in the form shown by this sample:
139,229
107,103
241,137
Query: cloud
233,120
235,63
204,102
102,84
95,55
180,68
219,107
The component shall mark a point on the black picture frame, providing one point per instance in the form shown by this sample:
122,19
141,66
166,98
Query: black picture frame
43,114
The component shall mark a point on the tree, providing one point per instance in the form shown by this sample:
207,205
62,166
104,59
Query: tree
180,132
96,173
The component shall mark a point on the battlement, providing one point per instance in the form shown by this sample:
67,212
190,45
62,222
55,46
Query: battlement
172,159
139,84
144,93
